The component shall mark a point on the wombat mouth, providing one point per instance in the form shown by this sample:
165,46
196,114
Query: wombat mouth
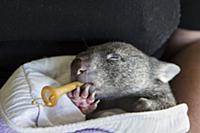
84,79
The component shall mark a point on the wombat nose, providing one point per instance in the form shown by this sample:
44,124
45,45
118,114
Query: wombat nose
79,66
81,70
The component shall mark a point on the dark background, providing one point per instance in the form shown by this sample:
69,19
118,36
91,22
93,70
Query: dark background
41,28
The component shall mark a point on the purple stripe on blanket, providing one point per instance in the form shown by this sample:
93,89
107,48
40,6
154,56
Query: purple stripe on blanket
4,128
92,130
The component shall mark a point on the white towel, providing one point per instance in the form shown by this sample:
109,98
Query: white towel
26,83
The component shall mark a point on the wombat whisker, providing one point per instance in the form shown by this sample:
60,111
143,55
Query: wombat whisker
85,43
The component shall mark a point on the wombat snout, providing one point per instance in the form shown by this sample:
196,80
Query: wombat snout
80,68
80,65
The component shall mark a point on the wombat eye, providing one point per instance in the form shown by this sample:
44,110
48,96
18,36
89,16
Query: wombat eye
113,56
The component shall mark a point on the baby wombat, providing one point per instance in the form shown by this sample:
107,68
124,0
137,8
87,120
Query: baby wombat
121,76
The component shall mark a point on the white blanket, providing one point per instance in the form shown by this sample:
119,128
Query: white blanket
26,83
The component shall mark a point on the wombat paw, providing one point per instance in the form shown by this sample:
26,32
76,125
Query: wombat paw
143,104
83,99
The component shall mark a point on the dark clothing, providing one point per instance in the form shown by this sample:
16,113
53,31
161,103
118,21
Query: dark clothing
41,28
190,14
144,23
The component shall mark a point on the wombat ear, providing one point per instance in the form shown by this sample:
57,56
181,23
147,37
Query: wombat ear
167,71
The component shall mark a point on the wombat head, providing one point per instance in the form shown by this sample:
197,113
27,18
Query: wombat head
116,69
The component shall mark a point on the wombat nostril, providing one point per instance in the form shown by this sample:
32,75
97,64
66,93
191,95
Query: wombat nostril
81,70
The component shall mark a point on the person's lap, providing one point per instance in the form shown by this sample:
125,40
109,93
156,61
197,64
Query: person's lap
186,86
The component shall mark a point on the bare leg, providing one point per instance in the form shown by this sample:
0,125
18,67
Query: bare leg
186,85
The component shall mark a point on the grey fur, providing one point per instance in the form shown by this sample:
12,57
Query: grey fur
133,82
